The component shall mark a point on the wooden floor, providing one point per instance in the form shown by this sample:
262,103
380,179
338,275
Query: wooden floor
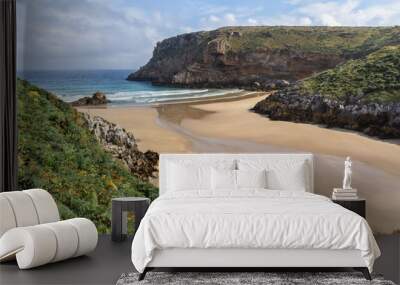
103,266
110,260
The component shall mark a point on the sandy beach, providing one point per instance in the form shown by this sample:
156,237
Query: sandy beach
227,125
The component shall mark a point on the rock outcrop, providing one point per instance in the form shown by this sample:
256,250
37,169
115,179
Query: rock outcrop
122,146
257,57
98,98
361,95
373,119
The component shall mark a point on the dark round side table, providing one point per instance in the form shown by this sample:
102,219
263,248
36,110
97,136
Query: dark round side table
120,208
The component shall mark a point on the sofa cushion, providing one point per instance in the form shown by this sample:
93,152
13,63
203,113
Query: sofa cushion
41,244
23,208
46,207
7,220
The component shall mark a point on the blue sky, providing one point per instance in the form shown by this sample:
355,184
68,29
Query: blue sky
121,34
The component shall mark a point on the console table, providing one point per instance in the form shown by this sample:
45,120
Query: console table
120,209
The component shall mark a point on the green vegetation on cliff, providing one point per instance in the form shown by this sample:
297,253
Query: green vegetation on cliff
256,57
361,95
56,152
348,41
374,78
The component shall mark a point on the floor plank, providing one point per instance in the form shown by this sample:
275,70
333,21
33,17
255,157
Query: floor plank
103,266
110,260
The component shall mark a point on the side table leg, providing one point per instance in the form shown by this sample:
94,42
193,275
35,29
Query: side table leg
116,222
140,211
124,224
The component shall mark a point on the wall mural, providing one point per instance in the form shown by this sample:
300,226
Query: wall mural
106,86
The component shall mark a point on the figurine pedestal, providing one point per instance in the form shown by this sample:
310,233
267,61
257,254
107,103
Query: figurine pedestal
344,194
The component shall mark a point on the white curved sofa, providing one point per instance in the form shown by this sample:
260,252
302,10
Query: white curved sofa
31,230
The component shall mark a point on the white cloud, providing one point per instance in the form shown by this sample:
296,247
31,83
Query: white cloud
305,21
351,13
122,34
293,2
88,34
206,9
252,22
328,20
213,22
230,19
186,29
332,13
214,19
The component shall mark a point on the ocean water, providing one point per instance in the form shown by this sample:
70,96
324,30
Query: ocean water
72,85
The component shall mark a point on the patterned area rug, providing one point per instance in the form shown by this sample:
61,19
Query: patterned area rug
243,278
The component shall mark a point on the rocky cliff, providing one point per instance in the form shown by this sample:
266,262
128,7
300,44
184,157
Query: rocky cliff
361,95
373,119
122,146
256,57
97,98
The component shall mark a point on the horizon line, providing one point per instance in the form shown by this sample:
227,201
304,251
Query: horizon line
77,69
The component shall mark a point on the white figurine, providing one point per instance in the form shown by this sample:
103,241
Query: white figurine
347,174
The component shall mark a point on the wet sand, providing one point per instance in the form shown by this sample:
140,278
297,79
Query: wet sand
226,125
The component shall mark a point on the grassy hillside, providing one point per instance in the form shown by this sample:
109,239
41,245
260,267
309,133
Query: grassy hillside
361,95
59,154
256,57
351,41
374,78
